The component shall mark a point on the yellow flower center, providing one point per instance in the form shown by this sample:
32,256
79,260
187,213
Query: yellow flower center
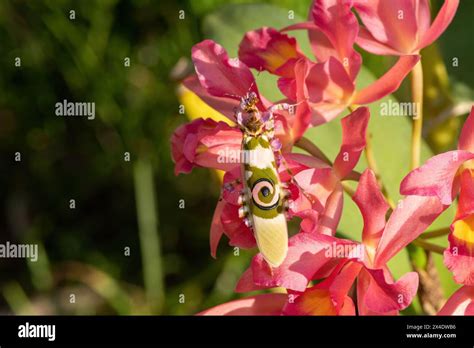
464,230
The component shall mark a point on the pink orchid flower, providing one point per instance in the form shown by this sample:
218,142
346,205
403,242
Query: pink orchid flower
460,303
321,198
325,88
312,255
321,183
221,82
203,143
443,176
401,27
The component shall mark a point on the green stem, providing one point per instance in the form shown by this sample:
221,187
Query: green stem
312,149
436,233
148,233
428,246
417,96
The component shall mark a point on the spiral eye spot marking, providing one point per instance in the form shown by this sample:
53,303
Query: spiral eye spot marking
262,189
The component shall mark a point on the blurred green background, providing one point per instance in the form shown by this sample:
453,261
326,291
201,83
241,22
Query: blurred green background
130,246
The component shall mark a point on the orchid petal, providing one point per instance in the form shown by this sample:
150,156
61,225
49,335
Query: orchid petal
466,139
459,263
383,295
317,301
411,218
306,255
436,177
327,88
219,75
373,207
370,44
319,184
339,26
268,49
205,143
441,22
459,257
423,17
217,229
329,219
225,106
466,194
460,303
354,129
388,83
342,283
234,228
393,23
364,280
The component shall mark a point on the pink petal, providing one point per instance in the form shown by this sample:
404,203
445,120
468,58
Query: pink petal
460,303
459,257
459,262
383,21
317,301
234,228
264,304
339,27
219,75
287,86
342,283
205,143
411,218
309,220
364,280
268,49
217,229
373,207
318,184
225,106
354,129
328,297
370,44
388,83
306,255
290,128
327,85
329,219
441,22
423,17
298,162
436,177
466,139
383,295
466,195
